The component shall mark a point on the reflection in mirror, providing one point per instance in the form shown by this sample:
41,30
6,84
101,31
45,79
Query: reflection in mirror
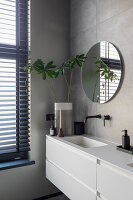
102,72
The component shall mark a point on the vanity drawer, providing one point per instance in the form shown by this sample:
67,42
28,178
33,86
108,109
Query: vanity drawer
67,184
98,198
78,165
114,183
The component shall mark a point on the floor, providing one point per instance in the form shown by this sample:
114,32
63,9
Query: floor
60,197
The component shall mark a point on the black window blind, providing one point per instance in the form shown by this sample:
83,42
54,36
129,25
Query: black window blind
14,81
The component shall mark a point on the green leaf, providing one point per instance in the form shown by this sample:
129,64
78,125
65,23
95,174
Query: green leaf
78,63
49,74
72,64
82,56
106,77
30,70
82,60
57,74
38,65
50,65
62,71
27,67
99,67
44,75
97,71
98,61
103,73
53,73
96,58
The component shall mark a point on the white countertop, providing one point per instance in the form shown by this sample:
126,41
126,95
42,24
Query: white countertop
107,153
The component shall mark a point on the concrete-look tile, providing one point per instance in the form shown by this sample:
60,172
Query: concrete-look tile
120,109
83,15
83,41
119,31
110,8
106,9
81,104
116,27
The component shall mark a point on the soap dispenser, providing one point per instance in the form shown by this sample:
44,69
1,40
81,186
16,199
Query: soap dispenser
125,140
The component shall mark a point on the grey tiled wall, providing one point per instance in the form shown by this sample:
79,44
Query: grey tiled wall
93,21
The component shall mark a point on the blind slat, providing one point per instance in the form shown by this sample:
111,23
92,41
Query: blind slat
9,138
7,134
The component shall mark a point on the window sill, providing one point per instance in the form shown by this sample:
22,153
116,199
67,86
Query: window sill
15,164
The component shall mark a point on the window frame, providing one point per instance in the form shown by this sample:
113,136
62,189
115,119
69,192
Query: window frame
19,52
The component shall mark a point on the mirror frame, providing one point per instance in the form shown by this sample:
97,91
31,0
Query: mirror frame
122,74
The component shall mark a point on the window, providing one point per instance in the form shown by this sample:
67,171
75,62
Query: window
14,82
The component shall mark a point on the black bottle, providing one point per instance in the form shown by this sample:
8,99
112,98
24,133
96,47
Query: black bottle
125,140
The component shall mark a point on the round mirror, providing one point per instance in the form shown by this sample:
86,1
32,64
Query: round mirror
102,72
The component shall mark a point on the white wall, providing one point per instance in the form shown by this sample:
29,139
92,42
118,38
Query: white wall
50,34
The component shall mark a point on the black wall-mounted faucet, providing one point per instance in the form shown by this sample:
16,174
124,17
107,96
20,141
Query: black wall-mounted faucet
106,117
90,117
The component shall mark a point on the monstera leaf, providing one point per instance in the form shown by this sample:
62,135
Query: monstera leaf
40,67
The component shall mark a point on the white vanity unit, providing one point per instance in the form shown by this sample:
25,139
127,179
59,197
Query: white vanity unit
88,169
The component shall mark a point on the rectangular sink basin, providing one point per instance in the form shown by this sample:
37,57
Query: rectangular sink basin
84,141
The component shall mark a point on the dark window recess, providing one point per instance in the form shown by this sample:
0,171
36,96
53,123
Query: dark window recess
14,82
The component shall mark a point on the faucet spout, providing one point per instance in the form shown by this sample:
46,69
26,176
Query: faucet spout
95,116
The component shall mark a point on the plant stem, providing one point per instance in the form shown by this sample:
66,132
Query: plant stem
95,89
70,84
52,90
67,84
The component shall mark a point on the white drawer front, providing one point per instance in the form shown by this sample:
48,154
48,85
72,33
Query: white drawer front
69,186
98,198
79,166
114,184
